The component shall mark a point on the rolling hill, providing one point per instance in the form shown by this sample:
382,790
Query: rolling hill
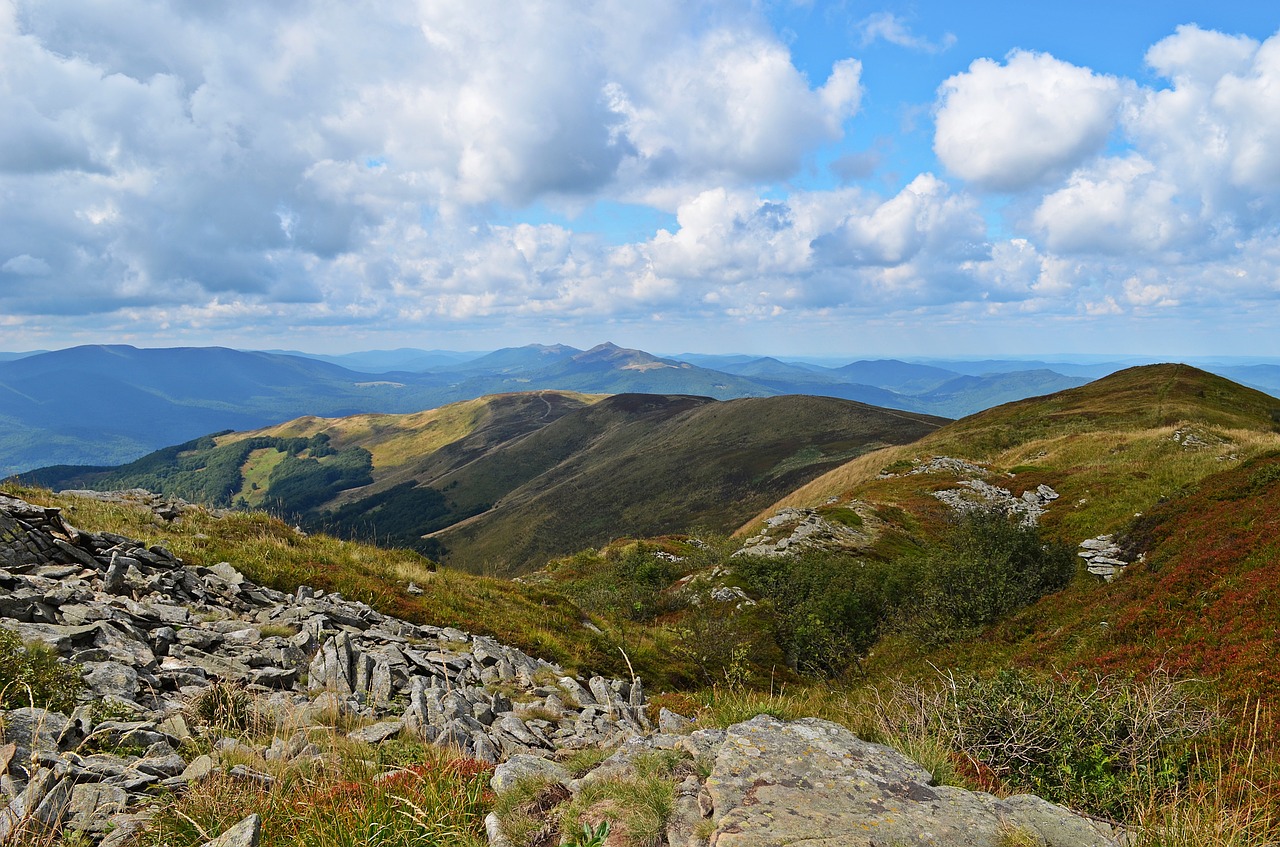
503,483
642,465
106,404
1110,448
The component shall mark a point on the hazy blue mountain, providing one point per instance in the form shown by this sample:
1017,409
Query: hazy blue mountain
1262,377
897,376
106,404
531,357
981,367
967,395
713,360
772,368
604,369
408,359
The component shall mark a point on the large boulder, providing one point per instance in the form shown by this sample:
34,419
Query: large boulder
813,782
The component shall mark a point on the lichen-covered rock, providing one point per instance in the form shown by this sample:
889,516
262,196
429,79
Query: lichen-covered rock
244,834
814,782
507,774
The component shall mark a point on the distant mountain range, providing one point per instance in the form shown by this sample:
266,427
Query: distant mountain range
108,404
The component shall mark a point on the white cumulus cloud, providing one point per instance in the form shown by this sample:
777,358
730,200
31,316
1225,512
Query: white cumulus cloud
1006,127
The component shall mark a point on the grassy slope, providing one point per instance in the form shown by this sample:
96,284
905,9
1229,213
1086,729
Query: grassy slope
1108,448
402,444
1204,604
637,465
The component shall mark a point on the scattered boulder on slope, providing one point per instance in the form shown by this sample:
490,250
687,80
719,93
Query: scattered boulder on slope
793,530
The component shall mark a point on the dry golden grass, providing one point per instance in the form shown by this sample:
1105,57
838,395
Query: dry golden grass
837,482
1104,476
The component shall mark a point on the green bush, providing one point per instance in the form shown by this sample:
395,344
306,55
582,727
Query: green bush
34,674
827,609
630,582
986,567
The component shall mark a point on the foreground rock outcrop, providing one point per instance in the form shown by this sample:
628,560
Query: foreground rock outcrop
151,634
812,782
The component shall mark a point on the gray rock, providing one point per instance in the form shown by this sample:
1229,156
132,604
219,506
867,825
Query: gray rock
33,730
686,814
162,766
814,782
493,829
333,668
377,733
23,806
123,828
244,834
507,774
111,679
92,805
199,768
672,723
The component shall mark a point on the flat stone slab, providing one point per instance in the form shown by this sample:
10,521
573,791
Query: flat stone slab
813,782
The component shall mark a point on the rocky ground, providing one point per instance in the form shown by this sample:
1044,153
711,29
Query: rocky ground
152,637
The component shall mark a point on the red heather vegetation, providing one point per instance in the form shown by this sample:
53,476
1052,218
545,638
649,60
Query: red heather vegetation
1204,604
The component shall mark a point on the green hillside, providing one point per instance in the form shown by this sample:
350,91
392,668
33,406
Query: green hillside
641,465
502,484
1110,448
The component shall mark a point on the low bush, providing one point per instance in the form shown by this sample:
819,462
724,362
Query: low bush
988,565
34,675
226,706
1102,745
827,609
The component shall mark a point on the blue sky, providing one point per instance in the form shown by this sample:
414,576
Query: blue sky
902,178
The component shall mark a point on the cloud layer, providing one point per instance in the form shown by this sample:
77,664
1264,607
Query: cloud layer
274,169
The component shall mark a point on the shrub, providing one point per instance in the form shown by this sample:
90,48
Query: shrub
987,566
629,581
826,608
1100,744
225,706
34,674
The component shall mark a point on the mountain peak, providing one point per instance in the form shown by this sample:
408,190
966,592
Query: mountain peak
610,352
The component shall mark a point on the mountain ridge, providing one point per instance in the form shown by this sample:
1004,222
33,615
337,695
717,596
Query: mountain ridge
503,483
161,396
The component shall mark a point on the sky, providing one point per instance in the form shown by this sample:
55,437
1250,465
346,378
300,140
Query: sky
924,178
